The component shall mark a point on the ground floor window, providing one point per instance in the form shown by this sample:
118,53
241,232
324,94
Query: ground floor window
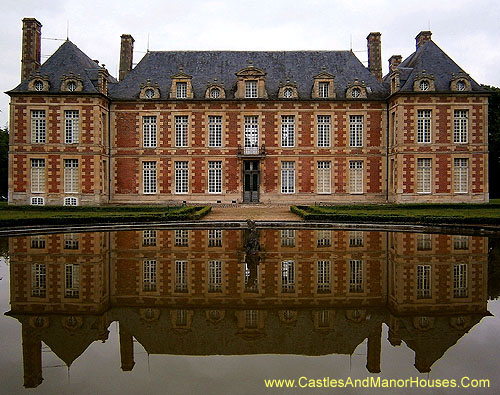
215,177
287,177
461,175
149,177
356,176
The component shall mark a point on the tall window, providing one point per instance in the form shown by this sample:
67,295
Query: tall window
424,242
424,170
324,238
324,177
461,175
72,280
215,131
181,90
181,177
288,238
251,319
215,237
149,238
181,237
356,238
324,284
149,275
356,130
214,276
37,175
423,281
39,280
149,177
251,135
323,88
70,175
149,131
355,275
251,89
288,276
424,126
460,126
181,130
324,122
72,126
215,176
181,276
38,127
356,176
460,280
287,130
287,177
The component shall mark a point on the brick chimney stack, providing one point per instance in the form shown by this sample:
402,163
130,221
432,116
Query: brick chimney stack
126,55
374,55
31,50
394,61
423,37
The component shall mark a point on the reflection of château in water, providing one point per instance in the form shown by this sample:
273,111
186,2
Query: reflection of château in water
204,292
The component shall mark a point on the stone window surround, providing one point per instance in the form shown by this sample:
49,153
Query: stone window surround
212,86
149,85
421,77
61,167
460,77
356,85
323,76
251,73
141,128
295,114
288,85
181,76
66,79
43,79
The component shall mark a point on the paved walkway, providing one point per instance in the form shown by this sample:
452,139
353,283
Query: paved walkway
260,212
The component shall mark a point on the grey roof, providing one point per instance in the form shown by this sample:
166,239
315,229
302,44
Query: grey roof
67,59
205,66
435,61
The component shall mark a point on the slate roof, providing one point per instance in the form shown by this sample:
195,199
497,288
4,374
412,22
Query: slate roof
205,66
67,59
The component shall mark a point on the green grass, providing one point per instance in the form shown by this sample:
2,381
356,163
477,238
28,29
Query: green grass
52,215
406,213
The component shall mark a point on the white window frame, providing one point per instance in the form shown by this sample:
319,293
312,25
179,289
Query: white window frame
149,130
356,126
461,175
215,237
181,272
215,176
324,276
460,286
424,282
149,177
324,128
251,90
181,90
37,201
424,175
288,177
324,181
39,280
181,238
181,177
356,177
460,126
424,125
149,238
356,276
181,130
288,131
71,126
149,272
72,280
288,276
251,135
71,176
323,89
38,127
38,175
215,276
70,201
215,131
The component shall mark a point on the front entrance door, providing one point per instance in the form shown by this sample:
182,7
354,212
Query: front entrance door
251,179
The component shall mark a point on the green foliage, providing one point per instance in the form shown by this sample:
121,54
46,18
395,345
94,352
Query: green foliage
4,156
494,138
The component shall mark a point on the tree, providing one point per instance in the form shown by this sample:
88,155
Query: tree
4,157
494,139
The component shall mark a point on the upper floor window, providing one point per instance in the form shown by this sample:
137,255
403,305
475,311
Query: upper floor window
149,131
288,93
355,93
251,89
215,131
181,87
215,93
356,130
460,85
72,126
71,86
460,126
287,130
149,93
38,127
38,85
424,85
251,135
181,130
181,90
324,126
37,175
424,126
323,89
149,177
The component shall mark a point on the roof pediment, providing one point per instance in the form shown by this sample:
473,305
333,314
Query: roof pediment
251,71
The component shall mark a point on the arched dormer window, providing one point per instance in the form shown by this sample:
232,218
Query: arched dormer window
39,83
181,87
288,90
356,90
460,83
71,83
251,83
324,85
215,91
424,82
149,90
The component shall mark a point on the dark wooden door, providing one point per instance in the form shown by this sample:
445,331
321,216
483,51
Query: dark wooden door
251,180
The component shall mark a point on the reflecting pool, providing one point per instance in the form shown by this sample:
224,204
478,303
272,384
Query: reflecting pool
224,310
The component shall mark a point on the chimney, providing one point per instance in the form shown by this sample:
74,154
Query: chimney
31,55
126,55
374,55
423,37
394,61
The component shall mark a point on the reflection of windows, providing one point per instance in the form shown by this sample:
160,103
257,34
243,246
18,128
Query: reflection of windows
39,280
251,319
288,238
149,238
181,276
423,281
214,276
324,238
215,237
424,242
460,280
181,238
71,241
355,275
72,283
180,318
149,276
355,238
251,281
288,276
460,242
37,241
323,318
324,276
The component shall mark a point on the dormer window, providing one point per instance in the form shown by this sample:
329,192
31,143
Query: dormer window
287,93
288,90
460,85
181,90
215,93
356,90
424,82
215,90
149,90
71,86
251,89
251,83
355,93
71,83
181,87
323,88
149,93
460,82
38,85
424,85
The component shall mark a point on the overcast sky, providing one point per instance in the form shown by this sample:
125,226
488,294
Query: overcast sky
467,30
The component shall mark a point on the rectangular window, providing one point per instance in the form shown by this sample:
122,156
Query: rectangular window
70,175
288,276
251,135
355,275
215,237
251,278
424,242
356,130
423,281
72,283
215,177
214,276
181,130
181,276
181,90
181,237
460,280
424,126
70,201
324,238
251,89
37,175
356,176
72,126
149,131
38,241
324,177
180,318
181,177
38,127
149,238
149,177
288,238
149,276
38,280
460,126
323,88
461,175
324,276
356,238
251,319
324,126
287,177
71,241
215,131
424,170
460,242
287,130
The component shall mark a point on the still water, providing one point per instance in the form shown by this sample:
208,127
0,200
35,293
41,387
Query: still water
222,310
